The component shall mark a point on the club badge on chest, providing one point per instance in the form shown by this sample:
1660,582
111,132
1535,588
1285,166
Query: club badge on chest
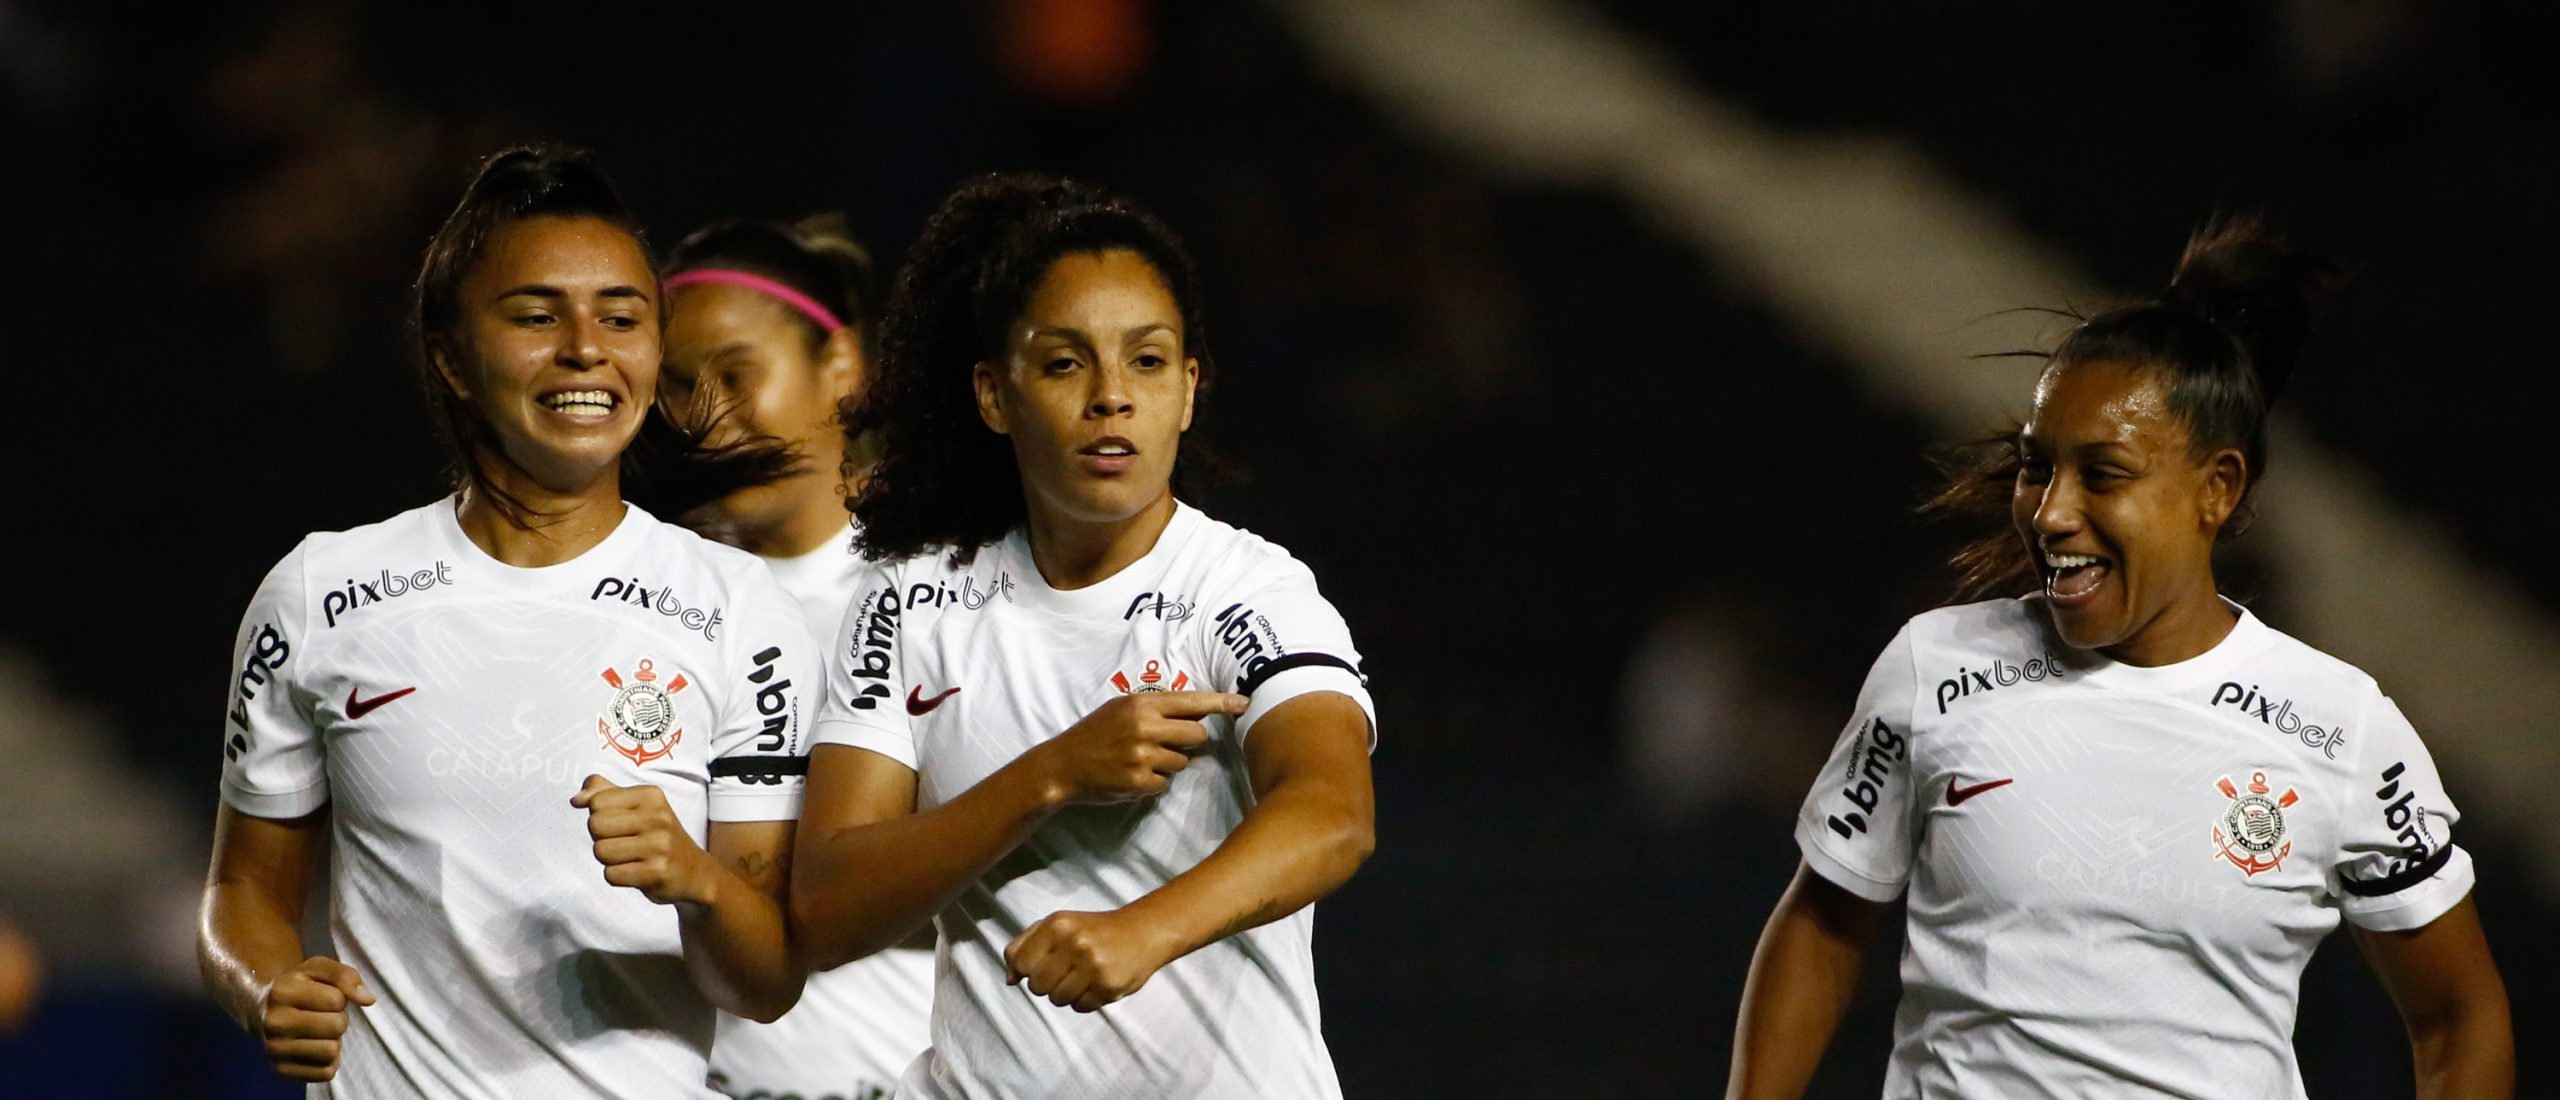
2251,833
1152,678
640,722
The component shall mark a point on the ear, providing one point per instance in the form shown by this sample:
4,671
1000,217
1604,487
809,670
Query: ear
990,403
1190,389
442,362
840,367
2226,480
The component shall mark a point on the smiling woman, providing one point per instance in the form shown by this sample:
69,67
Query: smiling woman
2000,750
424,733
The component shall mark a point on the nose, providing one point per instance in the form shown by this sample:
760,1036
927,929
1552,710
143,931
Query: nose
582,343
1110,393
2058,514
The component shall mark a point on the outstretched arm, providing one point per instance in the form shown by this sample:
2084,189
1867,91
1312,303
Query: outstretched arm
1802,977
1311,826
2455,1005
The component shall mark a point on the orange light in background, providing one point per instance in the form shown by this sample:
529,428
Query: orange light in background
1076,51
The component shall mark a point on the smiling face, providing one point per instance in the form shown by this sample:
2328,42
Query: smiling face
2120,515
753,358
1094,389
556,346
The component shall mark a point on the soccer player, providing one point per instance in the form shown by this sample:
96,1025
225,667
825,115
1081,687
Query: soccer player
2125,810
548,744
766,333
1112,747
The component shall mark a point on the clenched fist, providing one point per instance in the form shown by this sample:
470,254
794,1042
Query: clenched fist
305,1012
1130,747
642,845
1087,960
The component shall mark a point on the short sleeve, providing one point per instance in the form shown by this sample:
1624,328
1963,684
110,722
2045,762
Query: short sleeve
1281,641
760,755
272,763
866,671
1856,828
2397,867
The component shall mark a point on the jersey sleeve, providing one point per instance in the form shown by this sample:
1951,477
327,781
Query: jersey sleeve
760,755
1281,641
2397,867
866,673
1856,827
272,762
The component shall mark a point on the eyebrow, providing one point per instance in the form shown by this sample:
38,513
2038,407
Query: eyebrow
542,290
1078,335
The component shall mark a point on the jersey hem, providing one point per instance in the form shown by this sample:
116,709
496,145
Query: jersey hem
276,806
1307,680
2419,905
862,735
1839,873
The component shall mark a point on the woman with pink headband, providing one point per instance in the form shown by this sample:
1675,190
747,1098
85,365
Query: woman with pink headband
767,340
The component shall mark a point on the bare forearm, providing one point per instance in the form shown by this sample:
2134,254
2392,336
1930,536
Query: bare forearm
737,947
1301,842
245,939
2471,1057
859,889
1803,975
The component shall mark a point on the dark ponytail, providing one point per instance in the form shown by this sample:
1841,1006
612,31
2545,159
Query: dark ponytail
943,479
2228,332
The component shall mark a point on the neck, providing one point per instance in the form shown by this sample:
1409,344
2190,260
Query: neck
1073,553
816,518
554,526
2185,629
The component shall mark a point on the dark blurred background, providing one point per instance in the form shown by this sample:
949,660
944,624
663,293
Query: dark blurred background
1597,405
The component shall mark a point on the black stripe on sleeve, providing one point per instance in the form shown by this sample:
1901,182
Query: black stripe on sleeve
2424,870
730,767
1295,660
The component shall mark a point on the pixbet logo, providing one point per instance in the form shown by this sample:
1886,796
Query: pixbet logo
1973,681
387,586
1870,764
2254,702
1162,605
663,600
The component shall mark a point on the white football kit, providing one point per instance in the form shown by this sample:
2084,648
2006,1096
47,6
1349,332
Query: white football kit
2117,873
857,1026
445,706
955,671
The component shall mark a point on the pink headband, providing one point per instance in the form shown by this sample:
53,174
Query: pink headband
807,305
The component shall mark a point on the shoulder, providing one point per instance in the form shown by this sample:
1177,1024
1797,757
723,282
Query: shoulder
1233,561
2314,669
1992,629
402,535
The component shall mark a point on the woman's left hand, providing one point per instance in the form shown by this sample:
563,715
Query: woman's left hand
1087,960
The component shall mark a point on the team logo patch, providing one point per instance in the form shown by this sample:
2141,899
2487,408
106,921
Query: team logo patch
2251,832
1150,679
640,723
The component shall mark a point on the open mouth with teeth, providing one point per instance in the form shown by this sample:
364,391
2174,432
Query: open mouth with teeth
1109,448
2072,578
584,404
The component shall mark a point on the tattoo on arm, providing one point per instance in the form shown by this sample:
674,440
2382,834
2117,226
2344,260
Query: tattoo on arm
758,869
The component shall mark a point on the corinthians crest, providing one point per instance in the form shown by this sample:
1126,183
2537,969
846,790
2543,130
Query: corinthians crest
2251,833
1150,680
640,723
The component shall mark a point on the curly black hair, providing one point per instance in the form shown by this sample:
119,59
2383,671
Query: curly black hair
2228,331
944,480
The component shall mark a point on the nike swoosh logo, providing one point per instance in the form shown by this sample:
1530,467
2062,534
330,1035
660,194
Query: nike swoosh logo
1957,795
358,708
918,706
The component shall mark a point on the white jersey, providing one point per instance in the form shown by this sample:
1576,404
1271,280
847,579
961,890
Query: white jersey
445,706
2117,873
857,1026
956,671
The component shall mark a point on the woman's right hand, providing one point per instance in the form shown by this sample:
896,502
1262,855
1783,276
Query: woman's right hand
304,1014
1130,747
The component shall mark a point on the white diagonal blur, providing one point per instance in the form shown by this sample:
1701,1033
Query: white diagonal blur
1885,260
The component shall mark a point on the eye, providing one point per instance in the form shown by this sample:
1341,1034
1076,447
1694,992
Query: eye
1060,365
622,322
2034,471
1150,360
2103,477
534,320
